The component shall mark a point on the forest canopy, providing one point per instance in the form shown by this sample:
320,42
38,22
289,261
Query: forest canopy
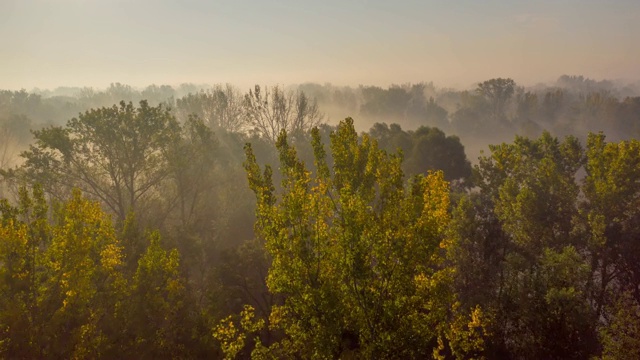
215,223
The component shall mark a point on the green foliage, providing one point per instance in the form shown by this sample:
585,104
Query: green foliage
612,215
425,149
541,277
157,304
349,259
621,336
232,339
20,256
66,292
66,282
115,154
357,257
547,258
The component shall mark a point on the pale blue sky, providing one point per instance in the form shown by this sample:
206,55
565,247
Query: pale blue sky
50,43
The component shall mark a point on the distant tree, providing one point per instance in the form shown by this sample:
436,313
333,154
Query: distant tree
628,118
497,92
270,111
8,147
192,209
191,163
436,115
472,117
116,92
163,94
527,105
433,150
553,107
580,84
390,104
527,113
115,154
482,114
345,98
392,138
425,149
220,107
21,104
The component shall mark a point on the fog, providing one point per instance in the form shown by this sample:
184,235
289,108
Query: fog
570,105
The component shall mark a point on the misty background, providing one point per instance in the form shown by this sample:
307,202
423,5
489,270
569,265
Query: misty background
412,62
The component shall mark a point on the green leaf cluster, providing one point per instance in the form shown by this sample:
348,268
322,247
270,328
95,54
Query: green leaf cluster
66,292
357,258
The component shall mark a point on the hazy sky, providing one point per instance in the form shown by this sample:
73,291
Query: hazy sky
50,43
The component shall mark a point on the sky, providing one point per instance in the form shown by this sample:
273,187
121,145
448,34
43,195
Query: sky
49,43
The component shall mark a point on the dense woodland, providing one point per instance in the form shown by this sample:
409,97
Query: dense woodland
317,221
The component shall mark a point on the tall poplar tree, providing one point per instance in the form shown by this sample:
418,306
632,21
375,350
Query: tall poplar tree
357,258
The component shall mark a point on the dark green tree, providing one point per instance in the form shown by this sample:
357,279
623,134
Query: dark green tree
497,92
115,154
529,250
425,149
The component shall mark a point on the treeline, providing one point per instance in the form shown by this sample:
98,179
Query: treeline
492,112
242,225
